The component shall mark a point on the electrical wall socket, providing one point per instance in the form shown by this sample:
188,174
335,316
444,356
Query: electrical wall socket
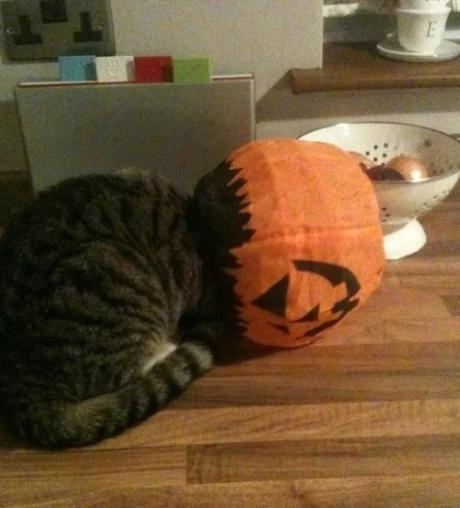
46,29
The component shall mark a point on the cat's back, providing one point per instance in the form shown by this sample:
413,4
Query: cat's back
131,207
94,279
112,205
135,213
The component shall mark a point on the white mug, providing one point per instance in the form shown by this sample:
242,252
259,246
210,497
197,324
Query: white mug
421,30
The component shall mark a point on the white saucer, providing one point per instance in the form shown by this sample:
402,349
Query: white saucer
391,48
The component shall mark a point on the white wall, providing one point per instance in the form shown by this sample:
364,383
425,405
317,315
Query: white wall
267,37
293,115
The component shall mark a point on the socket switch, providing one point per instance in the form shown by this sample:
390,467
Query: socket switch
47,29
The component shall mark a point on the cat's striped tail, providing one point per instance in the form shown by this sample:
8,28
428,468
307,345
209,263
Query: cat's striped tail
56,424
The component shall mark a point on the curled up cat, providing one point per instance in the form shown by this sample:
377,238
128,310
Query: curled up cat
102,313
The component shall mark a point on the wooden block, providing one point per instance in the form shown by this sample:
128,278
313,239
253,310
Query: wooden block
294,422
424,331
401,357
317,387
77,68
395,491
192,70
65,477
326,458
152,69
388,303
115,68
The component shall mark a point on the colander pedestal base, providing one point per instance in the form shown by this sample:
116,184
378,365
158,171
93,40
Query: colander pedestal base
401,242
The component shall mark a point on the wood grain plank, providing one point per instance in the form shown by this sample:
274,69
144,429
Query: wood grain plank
323,459
441,283
347,358
166,462
376,492
317,388
421,331
45,478
436,225
401,491
423,264
297,422
353,330
442,249
358,66
393,331
386,303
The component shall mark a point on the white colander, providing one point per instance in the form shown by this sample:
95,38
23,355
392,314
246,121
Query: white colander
400,201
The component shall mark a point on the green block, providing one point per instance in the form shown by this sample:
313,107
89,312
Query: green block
192,70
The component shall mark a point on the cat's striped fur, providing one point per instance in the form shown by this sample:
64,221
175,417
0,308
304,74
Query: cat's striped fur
95,279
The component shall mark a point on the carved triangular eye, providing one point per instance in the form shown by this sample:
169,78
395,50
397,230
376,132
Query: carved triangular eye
282,328
311,315
274,299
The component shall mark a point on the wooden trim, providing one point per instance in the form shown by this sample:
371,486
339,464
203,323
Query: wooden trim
358,66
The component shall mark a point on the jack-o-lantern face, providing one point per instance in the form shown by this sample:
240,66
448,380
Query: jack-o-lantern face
315,319
295,228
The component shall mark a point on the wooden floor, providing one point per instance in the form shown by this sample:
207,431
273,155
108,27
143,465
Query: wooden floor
367,417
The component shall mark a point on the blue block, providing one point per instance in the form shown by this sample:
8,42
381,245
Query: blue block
77,68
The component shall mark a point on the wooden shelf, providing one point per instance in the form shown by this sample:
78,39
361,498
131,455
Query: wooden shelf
358,66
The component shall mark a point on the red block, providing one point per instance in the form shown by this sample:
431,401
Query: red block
152,69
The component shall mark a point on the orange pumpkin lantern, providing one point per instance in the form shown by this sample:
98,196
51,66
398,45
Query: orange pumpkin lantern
294,229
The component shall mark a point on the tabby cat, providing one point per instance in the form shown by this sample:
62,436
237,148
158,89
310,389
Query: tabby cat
100,278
